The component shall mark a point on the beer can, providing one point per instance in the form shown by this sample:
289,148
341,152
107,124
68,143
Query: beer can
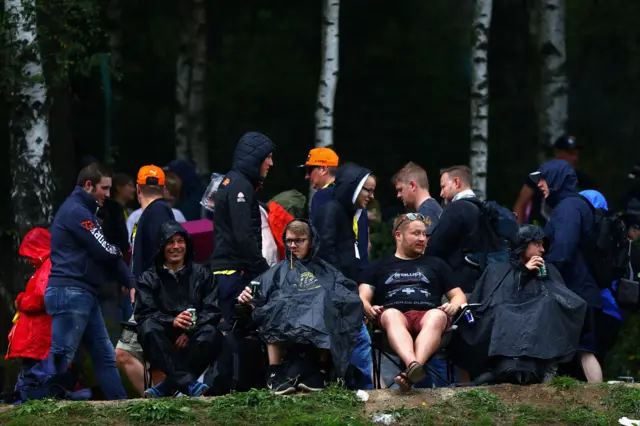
542,272
254,286
194,317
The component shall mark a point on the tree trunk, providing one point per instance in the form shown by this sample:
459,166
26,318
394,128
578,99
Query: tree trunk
480,97
191,144
197,141
32,179
553,111
329,74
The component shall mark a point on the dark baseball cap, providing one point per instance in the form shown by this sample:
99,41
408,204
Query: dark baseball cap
566,142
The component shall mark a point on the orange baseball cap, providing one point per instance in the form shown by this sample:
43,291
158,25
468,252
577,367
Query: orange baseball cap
321,157
150,175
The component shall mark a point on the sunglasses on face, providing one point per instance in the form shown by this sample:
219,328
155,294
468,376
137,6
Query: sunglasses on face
410,217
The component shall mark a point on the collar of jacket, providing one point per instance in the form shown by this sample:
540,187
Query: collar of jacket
85,198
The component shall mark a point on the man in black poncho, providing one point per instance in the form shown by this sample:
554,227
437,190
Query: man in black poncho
303,300
172,342
529,321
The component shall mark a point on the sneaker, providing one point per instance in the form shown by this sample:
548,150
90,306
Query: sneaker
158,391
280,384
315,382
197,389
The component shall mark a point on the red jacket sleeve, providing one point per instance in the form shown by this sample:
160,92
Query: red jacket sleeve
32,300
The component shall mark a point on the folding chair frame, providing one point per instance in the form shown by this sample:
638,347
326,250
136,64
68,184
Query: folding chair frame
380,347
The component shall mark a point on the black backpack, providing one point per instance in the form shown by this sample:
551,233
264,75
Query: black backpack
606,249
498,229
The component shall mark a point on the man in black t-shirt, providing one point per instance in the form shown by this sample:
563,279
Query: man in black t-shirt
403,294
530,205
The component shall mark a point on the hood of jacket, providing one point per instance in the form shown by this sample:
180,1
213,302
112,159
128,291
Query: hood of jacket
596,199
168,230
561,180
349,181
36,246
315,240
251,151
526,234
187,174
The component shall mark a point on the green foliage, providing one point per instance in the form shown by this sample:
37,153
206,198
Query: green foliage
382,242
563,382
624,358
159,411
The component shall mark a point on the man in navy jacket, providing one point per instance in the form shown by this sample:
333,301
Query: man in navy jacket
80,259
570,224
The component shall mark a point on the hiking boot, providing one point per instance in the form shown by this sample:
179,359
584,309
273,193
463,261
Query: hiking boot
279,383
160,390
197,388
315,382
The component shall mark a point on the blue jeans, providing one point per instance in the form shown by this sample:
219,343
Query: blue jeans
76,317
361,360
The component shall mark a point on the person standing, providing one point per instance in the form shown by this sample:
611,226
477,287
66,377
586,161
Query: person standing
80,259
412,188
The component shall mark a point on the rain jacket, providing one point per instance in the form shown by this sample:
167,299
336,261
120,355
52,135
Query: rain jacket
522,315
162,297
237,223
334,221
30,336
310,302
570,224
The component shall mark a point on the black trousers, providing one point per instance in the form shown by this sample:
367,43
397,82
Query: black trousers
180,366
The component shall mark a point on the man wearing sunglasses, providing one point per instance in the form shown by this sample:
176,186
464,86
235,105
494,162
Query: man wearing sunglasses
403,294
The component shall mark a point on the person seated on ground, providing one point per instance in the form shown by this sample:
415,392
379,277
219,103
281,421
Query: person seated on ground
528,321
403,294
176,342
305,301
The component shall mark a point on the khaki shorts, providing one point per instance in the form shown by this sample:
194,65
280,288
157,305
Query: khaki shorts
129,342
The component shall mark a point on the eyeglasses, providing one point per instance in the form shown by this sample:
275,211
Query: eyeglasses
295,241
369,190
410,217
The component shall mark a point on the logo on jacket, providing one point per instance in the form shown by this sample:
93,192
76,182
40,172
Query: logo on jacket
225,182
308,281
240,198
87,224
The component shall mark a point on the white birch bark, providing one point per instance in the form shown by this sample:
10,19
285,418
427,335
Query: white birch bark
31,174
197,143
329,74
554,102
480,97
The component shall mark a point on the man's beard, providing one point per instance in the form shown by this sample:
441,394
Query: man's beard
411,251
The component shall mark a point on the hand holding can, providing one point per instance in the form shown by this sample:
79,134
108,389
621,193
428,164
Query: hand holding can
192,311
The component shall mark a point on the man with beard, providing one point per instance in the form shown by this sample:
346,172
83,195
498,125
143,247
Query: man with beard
403,294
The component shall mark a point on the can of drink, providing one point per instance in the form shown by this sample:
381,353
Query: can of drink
469,316
542,271
194,317
255,287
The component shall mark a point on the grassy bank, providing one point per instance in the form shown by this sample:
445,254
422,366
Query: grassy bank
564,402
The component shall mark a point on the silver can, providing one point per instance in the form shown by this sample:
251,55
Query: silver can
194,317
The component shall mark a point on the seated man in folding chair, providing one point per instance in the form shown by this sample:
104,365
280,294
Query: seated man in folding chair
403,294
177,316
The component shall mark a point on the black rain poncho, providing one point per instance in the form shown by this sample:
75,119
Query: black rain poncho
522,315
310,302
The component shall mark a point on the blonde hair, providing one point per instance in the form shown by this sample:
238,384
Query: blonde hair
173,183
299,227
399,221
412,172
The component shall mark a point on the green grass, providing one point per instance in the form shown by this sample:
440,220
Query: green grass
337,406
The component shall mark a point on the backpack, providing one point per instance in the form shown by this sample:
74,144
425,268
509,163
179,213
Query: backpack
607,247
498,230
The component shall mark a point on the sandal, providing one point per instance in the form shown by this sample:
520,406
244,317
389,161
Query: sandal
413,374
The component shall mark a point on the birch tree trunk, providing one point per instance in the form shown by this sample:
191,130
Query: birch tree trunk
190,86
32,180
553,106
480,97
329,74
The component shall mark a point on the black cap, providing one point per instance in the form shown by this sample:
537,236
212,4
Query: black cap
566,142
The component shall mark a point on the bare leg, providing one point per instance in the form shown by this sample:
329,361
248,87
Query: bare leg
591,367
395,325
432,324
275,352
132,368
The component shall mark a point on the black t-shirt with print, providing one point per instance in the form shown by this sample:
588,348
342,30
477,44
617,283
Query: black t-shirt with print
409,285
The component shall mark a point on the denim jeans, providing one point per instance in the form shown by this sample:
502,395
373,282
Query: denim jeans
361,360
76,317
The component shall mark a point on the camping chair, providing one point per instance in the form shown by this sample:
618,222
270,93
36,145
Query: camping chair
380,347
133,327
